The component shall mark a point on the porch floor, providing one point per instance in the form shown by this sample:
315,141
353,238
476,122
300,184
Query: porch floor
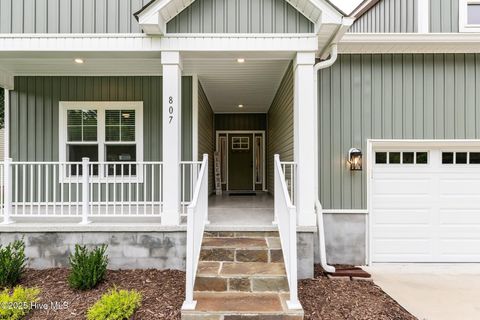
245,212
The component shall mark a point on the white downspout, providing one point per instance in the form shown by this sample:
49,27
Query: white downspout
318,207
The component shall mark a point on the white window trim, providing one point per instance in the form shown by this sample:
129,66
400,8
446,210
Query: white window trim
463,16
101,106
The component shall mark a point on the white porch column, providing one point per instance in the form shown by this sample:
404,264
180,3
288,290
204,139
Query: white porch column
172,85
304,137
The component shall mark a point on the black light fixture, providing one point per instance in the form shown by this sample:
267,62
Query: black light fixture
355,159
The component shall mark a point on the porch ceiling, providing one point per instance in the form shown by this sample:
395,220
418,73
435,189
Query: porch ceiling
228,83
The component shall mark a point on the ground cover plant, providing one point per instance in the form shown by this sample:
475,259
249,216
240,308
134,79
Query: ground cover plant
88,267
115,305
19,303
12,263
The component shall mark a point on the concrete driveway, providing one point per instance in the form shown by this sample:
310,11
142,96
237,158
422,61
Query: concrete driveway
432,291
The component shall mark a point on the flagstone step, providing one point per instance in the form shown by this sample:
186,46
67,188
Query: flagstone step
241,276
236,306
266,249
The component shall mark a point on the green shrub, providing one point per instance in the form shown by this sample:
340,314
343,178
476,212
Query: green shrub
115,305
88,267
18,304
12,263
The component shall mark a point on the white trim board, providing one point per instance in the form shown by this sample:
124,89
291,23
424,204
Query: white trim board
62,44
409,43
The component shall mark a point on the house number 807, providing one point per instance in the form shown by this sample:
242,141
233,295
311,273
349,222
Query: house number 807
170,110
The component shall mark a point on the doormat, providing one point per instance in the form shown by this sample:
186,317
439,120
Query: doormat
242,194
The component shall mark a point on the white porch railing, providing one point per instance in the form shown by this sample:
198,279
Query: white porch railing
289,169
62,189
286,217
197,217
189,171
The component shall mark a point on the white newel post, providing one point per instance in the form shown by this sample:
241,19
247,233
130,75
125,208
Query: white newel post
85,190
7,166
304,137
172,85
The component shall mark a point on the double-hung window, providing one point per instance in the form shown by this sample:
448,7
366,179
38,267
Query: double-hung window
469,15
104,132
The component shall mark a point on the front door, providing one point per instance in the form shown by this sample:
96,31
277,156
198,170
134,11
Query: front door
240,162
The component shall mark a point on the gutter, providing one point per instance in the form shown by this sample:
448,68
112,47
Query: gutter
318,207
333,50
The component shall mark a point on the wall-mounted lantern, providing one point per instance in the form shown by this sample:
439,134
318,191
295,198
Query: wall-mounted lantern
355,159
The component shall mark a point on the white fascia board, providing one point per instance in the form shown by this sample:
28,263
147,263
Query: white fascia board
64,43
153,24
409,43
6,80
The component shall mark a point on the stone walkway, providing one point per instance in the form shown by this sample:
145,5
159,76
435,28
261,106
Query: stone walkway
241,275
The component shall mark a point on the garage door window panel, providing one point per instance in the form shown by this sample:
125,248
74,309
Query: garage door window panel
405,157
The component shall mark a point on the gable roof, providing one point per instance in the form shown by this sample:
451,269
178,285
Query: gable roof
155,14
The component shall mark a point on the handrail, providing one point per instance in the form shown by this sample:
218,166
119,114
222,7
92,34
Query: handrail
286,217
321,237
197,214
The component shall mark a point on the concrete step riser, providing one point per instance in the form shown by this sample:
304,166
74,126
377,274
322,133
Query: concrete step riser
242,284
241,255
241,317
237,234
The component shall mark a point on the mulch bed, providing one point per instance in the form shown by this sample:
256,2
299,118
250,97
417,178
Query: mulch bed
163,294
323,298
162,291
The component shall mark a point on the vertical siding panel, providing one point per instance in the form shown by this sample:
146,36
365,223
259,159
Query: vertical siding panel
431,96
65,16
280,126
428,100
470,96
408,97
459,105
6,16
17,17
325,137
206,133
77,15
418,106
41,16
100,16
387,97
388,16
240,16
449,97
53,16
444,16
35,101
89,16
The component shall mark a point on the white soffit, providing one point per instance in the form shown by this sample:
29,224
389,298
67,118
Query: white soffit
352,43
228,83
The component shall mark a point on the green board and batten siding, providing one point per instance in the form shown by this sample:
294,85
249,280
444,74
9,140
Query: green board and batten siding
206,133
280,126
240,16
35,102
69,16
444,16
390,16
422,96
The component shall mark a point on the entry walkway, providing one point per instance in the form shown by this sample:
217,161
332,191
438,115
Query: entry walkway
432,291
241,212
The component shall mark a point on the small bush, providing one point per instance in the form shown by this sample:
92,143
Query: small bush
12,263
17,305
115,305
88,267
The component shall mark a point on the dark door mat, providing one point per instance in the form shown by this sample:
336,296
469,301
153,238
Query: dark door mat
242,194
351,272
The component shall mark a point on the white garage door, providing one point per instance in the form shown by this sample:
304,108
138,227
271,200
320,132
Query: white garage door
425,205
